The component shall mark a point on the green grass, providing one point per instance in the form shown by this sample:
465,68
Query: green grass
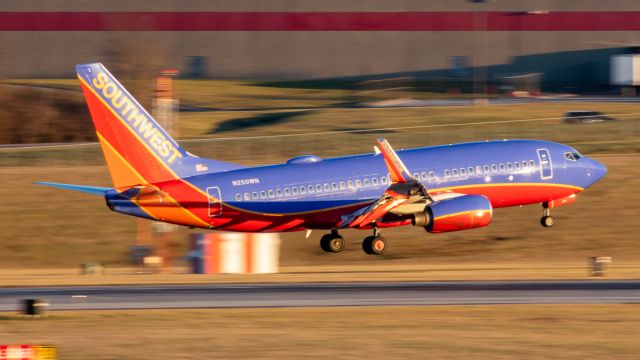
415,332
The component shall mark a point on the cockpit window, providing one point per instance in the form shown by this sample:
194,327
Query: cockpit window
573,156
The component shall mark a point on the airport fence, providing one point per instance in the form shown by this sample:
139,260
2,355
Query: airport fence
622,135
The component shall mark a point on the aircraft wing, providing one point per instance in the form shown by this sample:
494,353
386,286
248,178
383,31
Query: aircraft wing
404,190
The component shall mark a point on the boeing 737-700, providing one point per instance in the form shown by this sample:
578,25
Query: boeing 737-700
441,188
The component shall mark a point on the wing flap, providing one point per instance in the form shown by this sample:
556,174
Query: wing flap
405,192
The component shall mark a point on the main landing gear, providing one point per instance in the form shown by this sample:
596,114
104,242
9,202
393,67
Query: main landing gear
374,245
546,220
332,242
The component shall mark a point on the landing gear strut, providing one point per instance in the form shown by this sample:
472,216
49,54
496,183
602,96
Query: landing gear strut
546,220
332,242
374,245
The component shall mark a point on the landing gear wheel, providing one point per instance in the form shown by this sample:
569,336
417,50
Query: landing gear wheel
332,243
374,245
547,221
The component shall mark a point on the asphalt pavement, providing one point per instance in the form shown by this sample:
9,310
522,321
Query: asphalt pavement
325,294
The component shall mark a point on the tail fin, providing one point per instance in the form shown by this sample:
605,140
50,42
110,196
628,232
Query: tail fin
136,148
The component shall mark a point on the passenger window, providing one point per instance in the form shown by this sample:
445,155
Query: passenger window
374,181
423,175
294,191
446,174
310,188
263,194
432,175
509,166
454,172
287,192
303,190
327,187
342,185
485,169
271,194
501,167
366,182
416,176
463,172
532,163
517,164
247,197
478,169
470,170
334,186
525,164
279,192
384,180
494,168
358,183
319,188
238,197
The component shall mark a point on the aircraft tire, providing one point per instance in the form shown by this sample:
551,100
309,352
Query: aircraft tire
374,245
332,243
366,245
547,221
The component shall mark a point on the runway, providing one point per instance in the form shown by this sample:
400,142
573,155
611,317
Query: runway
325,294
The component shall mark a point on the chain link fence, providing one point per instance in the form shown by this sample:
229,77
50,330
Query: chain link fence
621,135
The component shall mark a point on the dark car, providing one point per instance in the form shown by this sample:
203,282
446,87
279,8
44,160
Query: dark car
586,117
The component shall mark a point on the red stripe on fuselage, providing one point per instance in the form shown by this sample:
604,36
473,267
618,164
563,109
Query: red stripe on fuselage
234,219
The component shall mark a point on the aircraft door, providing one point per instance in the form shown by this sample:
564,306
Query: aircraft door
546,168
215,201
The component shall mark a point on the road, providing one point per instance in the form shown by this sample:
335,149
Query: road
325,294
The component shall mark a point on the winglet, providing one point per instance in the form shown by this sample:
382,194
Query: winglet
397,170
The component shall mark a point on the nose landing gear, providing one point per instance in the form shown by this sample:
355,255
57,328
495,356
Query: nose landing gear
546,220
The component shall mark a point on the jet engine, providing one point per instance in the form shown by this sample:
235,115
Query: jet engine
453,214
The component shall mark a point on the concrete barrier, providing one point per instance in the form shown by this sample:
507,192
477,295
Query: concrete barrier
235,253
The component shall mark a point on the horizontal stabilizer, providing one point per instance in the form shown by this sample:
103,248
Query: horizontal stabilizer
94,190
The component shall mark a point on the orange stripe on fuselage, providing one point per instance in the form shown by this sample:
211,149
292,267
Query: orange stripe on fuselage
122,173
160,207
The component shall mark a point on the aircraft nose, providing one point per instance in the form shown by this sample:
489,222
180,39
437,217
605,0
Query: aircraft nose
596,170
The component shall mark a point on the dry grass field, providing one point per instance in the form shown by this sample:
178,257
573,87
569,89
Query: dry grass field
439,332
46,228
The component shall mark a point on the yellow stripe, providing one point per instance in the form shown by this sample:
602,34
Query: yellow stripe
508,184
460,213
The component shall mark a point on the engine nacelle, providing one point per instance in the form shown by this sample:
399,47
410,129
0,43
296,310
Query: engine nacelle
459,213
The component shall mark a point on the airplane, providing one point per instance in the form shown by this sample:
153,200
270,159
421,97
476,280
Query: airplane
440,188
